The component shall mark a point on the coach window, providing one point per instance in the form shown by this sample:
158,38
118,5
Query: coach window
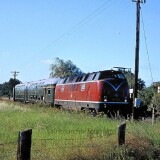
49,91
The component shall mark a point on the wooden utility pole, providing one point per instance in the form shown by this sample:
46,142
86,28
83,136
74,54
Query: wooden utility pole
15,73
136,51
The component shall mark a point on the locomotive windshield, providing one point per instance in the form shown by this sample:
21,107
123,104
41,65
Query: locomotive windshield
111,74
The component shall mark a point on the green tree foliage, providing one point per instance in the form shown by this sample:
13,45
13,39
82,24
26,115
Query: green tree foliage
4,89
130,78
156,101
7,87
146,95
63,68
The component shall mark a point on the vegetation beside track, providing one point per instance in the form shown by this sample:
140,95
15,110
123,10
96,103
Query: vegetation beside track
71,135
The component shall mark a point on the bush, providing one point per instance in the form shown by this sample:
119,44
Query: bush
156,101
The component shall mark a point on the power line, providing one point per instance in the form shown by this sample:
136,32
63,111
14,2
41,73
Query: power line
106,6
77,26
82,22
110,17
146,47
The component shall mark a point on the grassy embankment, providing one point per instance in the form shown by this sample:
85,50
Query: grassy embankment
69,135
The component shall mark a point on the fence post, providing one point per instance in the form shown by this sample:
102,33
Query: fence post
24,145
121,133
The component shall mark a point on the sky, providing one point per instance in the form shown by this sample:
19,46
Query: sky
94,34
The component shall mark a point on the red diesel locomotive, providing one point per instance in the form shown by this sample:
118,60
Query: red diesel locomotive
98,91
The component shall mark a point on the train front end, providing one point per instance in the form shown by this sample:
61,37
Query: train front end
114,92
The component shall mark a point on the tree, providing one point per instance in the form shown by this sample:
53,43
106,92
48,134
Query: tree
7,87
63,68
12,82
146,95
130,78
4,89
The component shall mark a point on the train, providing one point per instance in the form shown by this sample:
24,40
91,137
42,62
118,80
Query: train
102,91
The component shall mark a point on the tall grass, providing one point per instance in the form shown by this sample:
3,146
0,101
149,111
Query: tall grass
70,135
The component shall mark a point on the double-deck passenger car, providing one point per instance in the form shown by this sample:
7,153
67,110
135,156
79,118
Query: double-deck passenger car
37,91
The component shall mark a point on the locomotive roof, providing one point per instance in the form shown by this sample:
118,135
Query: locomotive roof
91,76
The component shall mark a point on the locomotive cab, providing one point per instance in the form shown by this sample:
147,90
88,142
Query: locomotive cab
115,91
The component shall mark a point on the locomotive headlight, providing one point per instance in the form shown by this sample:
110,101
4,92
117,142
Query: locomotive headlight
105,98
125,99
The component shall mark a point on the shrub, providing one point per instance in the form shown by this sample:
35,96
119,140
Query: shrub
156,101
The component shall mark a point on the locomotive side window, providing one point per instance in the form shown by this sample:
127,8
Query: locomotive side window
71,79
75,79
91,77
97,76
63,81
79,78
85,77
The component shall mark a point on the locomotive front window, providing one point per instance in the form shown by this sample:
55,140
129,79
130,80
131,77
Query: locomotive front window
105,75
120,76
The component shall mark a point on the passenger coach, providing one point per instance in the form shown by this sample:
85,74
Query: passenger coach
42,91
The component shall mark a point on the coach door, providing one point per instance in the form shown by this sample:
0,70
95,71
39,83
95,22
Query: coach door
48,94
26,95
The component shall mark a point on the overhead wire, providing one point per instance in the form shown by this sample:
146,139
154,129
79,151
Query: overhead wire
81,23
146,46
106,6
86,20
77,26
110,16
